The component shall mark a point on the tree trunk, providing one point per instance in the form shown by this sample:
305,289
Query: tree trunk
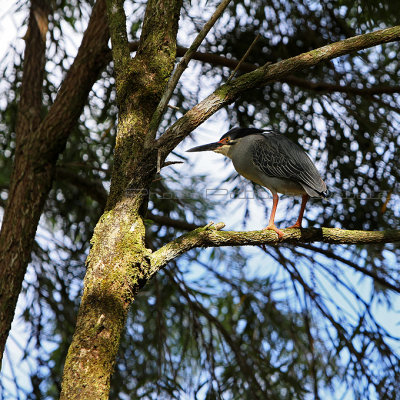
117,265
39,144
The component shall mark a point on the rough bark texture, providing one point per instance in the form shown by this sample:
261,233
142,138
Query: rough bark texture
117,265
180,68
211,236
38,145
19,225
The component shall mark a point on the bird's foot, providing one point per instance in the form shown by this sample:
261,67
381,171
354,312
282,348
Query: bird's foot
297,225
275,229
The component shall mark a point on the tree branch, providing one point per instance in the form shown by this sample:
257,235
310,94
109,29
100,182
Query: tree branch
162,105
331,87
232,63
228,93
171,222
241,61
34,162
119,38
97,192
30,104
230,337
78,82
210,236
118,258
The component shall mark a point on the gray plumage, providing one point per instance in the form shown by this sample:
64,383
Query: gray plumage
278,157
273,161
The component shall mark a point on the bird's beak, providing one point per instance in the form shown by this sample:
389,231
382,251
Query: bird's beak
206,147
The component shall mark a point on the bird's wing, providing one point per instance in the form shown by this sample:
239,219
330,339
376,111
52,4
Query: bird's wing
276,156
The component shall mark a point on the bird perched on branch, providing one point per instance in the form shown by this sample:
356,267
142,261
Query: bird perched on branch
273,161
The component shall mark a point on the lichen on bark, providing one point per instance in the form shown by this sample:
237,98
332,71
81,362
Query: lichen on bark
118,263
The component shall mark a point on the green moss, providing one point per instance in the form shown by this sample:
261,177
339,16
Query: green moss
223,90
119,38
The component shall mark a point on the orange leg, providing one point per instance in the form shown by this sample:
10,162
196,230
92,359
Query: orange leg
271,223
302,208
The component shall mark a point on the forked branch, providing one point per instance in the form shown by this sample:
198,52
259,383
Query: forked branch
155,122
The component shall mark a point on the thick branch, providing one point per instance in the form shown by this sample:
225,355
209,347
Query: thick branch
210,236
14,249
34,162
232,63
155,122
74,91
228,93
216,59
119,37
139,89
30,104
96,190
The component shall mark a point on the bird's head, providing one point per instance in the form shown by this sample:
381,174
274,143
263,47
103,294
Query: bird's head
227,141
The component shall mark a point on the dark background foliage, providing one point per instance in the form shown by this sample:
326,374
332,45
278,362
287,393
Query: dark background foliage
287,322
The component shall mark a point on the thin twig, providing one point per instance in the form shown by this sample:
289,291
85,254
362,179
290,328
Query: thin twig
230,338
155,121
243,58
158,162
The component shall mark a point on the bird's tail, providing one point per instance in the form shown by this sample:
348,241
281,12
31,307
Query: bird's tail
314,192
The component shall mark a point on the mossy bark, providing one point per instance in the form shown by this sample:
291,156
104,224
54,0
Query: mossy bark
118,263
211,236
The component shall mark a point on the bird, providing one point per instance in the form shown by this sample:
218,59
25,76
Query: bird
272,160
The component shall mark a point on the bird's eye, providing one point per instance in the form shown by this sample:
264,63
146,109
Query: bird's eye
225,140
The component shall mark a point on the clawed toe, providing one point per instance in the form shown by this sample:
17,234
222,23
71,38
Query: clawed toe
275,229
